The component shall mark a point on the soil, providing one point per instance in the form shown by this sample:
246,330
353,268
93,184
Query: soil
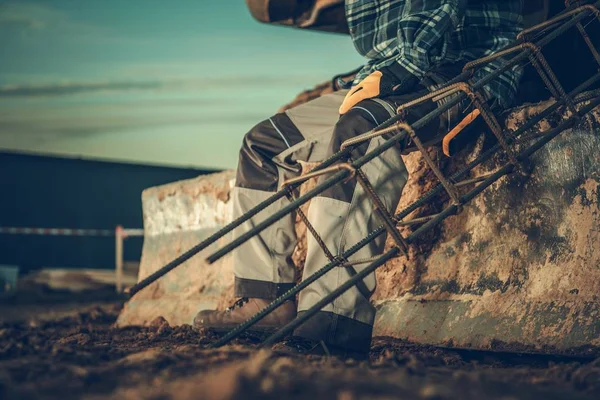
85,356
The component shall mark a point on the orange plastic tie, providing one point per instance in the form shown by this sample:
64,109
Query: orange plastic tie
458,129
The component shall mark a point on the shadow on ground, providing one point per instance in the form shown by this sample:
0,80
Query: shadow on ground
83,355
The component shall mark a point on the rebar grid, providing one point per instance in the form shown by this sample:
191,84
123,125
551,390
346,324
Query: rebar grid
290,294
429,221
338,177
395,252
344,174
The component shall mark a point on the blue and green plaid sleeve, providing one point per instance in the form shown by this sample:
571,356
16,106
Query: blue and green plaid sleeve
421,35
421,32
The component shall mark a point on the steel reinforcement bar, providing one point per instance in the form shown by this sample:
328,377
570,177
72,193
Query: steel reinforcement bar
340,176
343,174
291,293
449,211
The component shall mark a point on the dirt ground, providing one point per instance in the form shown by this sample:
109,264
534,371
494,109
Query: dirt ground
84,356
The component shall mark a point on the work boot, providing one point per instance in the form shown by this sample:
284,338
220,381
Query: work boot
304,346
242,310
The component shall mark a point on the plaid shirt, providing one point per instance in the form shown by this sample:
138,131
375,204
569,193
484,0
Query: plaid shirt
421,35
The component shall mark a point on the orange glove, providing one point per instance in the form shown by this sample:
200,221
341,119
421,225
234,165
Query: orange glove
388,80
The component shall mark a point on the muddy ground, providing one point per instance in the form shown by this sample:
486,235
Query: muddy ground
84,356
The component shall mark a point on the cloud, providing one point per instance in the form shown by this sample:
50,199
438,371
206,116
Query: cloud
73,128
24,16
27,18
60,89
223,84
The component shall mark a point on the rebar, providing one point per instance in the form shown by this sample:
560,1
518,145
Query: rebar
380,230
385,146
311,229
449,211
592,8
388,220
343,288
414,206
452,192
584,34
340,176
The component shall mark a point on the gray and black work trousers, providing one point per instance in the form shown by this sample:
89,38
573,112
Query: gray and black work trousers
342,215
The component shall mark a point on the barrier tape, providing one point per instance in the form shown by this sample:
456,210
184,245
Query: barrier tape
11,230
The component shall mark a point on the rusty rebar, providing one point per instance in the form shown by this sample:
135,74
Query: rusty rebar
488,117
340,176
311,229
452,192
382,212
592,8
415,205
336,168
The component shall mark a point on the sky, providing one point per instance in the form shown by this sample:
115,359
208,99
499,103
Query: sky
154,82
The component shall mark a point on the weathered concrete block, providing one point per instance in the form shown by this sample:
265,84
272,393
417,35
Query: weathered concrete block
178,216
521,263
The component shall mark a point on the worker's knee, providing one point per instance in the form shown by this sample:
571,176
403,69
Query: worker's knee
255,167
360,119
266,141
271,137
254,139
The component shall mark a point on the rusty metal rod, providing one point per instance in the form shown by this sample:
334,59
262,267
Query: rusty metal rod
334,158
305,315
387,145
592,8
449,211
335,168
404,213
388,220
450,189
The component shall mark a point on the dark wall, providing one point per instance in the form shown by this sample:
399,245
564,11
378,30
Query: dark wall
50,192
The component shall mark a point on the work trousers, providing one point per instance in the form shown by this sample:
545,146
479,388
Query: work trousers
342,215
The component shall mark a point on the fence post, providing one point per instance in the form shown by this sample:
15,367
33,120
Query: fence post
119,258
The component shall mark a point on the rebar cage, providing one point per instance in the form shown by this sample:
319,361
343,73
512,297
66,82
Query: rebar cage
516,146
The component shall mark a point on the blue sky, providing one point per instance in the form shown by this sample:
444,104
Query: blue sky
162,82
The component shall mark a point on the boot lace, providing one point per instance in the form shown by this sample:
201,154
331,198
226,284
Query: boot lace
239,303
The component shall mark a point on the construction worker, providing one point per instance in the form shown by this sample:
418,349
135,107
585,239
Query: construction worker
412,47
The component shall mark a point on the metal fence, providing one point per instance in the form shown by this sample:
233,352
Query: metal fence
119,233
